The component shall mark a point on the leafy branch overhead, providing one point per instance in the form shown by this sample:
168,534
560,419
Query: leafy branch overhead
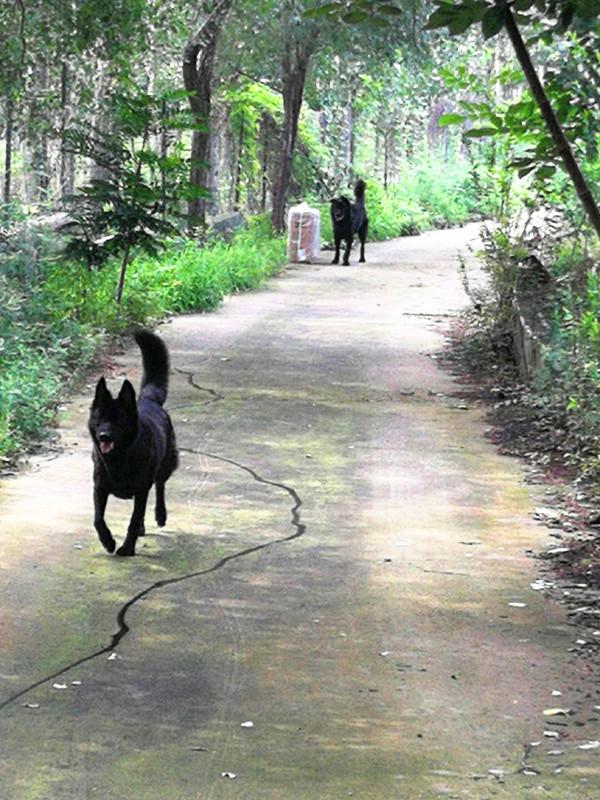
373,11
556,16
508,16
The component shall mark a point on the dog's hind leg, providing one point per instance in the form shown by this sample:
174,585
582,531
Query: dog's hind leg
346,261
102,529
136,524
160,510
336,258
363,238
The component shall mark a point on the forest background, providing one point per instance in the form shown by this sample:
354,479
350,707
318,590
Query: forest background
128,126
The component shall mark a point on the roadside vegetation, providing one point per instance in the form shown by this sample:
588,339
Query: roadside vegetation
433,104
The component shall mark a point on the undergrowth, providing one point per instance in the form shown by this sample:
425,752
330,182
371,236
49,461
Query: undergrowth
55,315
430,193
553,419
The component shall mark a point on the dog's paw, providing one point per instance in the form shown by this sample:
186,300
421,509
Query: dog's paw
161,517
107,540
126,550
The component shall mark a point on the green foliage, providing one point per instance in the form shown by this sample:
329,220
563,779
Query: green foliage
51,329
567,388
458,17
133,204
429,193
40,358
519,123
184,277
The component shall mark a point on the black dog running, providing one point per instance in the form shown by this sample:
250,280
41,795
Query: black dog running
134,444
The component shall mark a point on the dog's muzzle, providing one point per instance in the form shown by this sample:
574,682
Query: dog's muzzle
105,443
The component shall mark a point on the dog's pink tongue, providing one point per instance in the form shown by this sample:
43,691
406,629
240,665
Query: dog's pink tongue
106,447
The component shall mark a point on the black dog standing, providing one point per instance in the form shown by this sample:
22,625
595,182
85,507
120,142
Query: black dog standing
134,444
349,218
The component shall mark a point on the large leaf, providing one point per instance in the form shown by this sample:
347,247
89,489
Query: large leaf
451,118
478,133
493,21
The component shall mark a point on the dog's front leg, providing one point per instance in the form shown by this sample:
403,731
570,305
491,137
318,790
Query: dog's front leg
102,529
136,524
346,261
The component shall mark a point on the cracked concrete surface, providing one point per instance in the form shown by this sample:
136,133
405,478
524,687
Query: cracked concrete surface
392,648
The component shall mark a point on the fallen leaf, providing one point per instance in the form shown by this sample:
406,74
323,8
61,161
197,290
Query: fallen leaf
248,724
553,712
589,745
230,775
59,685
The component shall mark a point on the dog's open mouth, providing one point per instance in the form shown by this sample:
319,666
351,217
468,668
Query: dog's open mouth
105,447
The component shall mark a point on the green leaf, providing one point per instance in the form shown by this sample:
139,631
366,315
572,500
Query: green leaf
526,170
323,11
587,9
450,118
355,16
440,18
391,10
460,23
477,133
493,21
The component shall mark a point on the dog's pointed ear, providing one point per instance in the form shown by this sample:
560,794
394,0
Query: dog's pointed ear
102,395
127,396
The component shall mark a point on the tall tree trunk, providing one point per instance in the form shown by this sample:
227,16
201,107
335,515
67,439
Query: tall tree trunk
164,151
198,57
558,137
264,163
9,129
67,162
238,168
8,139
352,142
295,64
386,159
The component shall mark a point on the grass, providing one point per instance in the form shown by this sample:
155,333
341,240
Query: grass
55,315
429,193
51,328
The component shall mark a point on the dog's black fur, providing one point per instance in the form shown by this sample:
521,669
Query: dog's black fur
349,218
134,444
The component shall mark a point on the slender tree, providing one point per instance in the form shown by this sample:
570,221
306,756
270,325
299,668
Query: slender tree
497,16
198,62
300,38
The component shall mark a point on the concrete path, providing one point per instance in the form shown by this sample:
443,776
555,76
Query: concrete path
341,603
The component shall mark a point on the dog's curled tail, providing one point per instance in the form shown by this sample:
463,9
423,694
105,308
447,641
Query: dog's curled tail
155,359
359,189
